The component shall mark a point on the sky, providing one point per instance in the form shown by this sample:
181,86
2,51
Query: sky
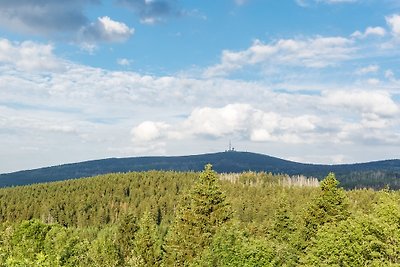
306,80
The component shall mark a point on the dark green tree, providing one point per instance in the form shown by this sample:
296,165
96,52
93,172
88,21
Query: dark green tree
201,213
283,226
331,205
146,245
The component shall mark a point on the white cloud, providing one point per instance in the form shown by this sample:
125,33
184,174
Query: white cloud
378,103
370,31
368,69
114,30
375,111
218,122
16,119
29,56
124,62
96,108
105,30
394,22
317,52
149,20
240,120
149,131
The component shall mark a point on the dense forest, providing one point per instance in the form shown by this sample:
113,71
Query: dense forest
375,175
168,218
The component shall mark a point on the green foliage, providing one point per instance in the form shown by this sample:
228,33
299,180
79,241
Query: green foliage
331,205
233,247
361,241
284,225
202,212
146,245
126,234
64,247
104,250
28,242
186,219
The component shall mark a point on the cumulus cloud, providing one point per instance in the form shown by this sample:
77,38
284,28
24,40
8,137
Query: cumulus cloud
244,122
149,131
240,120
249,123
152,11
105,30
370,31
317,52
29,56
377,103
394,23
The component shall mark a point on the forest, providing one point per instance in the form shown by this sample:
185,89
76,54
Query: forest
375,174
168,218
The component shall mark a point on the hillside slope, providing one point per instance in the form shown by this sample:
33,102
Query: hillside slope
372,174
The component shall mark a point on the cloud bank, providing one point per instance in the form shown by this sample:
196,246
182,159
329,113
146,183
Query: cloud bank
61,20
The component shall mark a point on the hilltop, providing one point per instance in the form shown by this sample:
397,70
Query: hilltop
371,174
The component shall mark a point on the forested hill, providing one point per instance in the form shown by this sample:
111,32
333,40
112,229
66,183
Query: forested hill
373,174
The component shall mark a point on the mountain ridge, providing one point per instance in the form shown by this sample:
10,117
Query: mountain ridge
228,161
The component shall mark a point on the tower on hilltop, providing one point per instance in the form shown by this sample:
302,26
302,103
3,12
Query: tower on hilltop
230,148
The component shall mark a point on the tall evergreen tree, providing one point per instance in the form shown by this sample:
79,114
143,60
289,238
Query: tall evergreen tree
202,211
331,205
146,245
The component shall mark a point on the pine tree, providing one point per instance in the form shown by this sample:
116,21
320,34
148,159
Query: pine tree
331,205
202,211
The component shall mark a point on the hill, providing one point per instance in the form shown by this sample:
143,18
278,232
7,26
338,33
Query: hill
372,174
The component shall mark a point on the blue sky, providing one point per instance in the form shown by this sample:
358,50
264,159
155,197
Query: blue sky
307,80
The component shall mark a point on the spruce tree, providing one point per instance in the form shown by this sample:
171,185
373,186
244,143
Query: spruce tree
202,211
331,205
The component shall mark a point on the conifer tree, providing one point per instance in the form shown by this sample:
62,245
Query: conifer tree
146,244
284,225
203,210
331,205
127,230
